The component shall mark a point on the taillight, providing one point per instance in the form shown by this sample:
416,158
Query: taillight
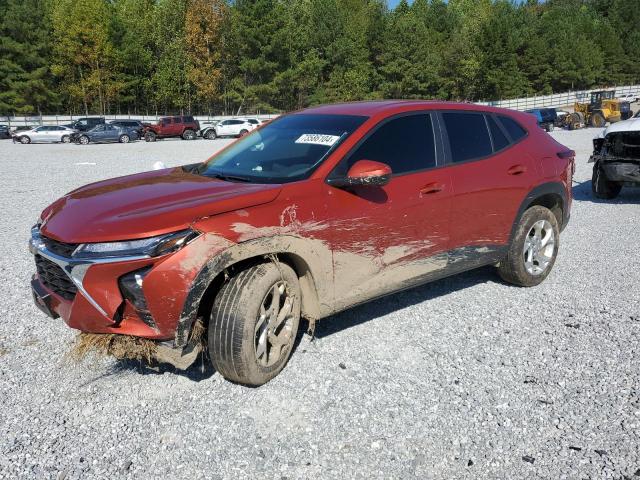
568,155
564,154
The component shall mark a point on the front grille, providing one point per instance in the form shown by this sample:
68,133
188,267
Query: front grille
54,278
60,248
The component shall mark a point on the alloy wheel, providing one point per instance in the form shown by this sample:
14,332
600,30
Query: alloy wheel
273,330
539,247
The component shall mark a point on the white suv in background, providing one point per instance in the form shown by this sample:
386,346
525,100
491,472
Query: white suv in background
234,127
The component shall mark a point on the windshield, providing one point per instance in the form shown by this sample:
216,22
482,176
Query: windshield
285,150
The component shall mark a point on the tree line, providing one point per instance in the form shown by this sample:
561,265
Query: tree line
217,56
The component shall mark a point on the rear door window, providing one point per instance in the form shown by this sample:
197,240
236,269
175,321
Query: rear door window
468,135
500,140
406,144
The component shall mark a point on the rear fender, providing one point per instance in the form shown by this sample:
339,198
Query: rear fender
544,191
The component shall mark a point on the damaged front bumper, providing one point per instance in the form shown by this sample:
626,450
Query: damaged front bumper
618,155
134,296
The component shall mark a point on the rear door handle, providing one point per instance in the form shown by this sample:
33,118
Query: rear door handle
431,188
517,170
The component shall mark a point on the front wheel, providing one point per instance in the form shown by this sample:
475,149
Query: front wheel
243,133
84,140
25,140
533,248
254,321
66,139
601,186
150,137
124,138
597,120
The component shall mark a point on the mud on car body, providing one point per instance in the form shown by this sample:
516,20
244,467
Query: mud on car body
616,159
316,212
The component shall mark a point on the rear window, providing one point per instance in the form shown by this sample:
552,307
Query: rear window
513,128
468,135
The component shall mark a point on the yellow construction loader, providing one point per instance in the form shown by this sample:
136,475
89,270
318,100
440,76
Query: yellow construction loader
602,108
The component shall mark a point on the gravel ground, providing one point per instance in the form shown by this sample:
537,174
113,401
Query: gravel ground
463,378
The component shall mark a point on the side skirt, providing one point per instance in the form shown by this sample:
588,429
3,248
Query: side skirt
460,260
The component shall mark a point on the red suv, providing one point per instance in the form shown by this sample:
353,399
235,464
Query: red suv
185,127
317,211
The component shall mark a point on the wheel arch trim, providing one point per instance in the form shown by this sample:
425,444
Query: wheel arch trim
308,260
545,190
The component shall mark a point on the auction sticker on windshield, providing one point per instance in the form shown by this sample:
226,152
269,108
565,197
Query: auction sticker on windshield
318,139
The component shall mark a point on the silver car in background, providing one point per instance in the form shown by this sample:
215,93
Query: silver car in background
45,134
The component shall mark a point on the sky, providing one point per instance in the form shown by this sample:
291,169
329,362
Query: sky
393,3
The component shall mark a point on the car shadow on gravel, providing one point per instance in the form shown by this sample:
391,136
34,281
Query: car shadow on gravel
582,193
407,298
202,369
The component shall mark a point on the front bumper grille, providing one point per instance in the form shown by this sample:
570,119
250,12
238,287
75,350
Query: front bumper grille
53,277
60,248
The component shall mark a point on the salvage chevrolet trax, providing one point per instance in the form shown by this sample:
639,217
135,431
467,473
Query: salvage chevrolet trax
316,212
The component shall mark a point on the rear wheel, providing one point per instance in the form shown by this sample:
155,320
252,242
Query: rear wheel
597,120
210,134
601,186
150,137
533,248
25,140
574,121
124,138
189,135
254,321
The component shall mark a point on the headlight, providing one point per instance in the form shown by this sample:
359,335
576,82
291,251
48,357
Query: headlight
146,247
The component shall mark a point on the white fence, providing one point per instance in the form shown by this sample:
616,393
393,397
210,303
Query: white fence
559,99
556,100
64,119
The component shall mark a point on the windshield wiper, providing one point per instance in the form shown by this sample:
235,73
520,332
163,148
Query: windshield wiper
229,178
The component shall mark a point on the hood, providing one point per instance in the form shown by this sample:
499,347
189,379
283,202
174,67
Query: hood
631,125
146,204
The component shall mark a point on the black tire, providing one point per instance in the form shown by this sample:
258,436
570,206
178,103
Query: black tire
124,138
188,134
243,132
512,268
597,120
234,326
150,137
25,140
210,134
65,139
574,121
601,186
83,140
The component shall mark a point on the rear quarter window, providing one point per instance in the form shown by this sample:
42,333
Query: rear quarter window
468,135
513,128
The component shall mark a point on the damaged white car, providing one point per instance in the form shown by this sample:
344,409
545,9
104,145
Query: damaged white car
616,158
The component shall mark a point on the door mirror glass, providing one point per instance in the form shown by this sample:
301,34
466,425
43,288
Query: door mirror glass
365,172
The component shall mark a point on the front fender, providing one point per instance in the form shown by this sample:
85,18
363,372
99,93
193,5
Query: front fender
311,258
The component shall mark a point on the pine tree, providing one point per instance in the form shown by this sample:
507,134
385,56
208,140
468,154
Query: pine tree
26,85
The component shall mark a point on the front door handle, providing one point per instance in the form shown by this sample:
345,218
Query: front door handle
431,188
517,170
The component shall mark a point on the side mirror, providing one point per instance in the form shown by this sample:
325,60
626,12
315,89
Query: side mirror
364,172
